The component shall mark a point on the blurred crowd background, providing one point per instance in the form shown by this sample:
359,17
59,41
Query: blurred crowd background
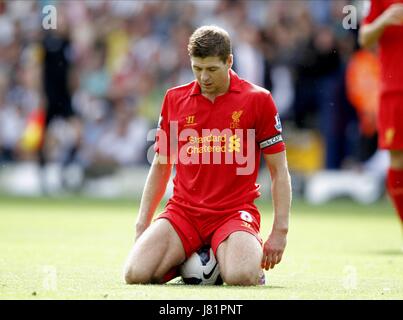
112,61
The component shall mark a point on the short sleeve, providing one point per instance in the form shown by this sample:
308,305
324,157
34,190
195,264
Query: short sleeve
162,137
372,9
268,126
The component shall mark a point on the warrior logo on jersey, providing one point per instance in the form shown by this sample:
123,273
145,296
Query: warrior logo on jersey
278,123
190,120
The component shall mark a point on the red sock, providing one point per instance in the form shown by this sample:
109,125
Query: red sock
394,184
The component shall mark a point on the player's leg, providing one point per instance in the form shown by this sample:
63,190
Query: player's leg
42,156
238,248
395,181
391,138
154,254
239,258
77,129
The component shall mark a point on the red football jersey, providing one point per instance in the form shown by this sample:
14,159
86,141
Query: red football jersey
390,48
217,145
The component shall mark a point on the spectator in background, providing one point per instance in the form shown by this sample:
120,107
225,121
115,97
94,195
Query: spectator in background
57,68
11,124
319,87
249,49
121,144
136,49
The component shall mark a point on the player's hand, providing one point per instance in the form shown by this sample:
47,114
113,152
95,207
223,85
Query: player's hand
393,15
140,228
273,249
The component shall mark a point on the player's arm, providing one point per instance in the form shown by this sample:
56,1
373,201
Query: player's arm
370,33
154,189
281,194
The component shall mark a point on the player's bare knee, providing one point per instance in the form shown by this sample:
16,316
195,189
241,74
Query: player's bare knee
131,278
241,280
133,275
243,277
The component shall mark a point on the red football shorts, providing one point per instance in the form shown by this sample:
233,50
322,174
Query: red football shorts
390,121
196,229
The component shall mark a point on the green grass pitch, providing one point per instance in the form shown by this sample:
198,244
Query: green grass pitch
75,249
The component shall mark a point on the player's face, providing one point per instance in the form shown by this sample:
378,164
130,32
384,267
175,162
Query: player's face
212,74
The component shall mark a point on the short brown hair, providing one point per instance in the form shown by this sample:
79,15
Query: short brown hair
210,41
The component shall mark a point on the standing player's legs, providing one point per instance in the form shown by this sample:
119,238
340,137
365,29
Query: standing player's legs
154,254
391,138
42,158
77,128
395,181
61,110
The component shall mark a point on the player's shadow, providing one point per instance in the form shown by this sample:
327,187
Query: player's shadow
260,287
225,287
391,252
